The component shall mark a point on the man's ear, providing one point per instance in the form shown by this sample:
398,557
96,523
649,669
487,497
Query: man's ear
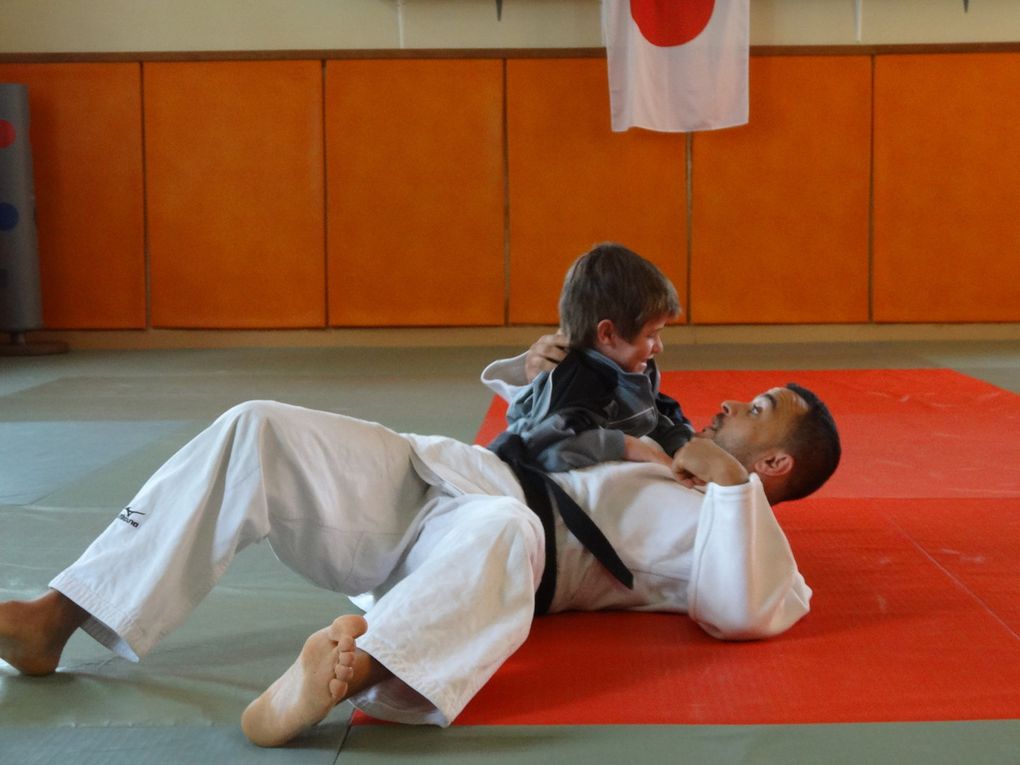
776,463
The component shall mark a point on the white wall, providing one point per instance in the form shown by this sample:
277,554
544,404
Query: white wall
66,26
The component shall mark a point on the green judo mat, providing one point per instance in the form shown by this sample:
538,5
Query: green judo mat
80,433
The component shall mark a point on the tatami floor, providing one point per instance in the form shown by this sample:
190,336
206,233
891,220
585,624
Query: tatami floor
79,432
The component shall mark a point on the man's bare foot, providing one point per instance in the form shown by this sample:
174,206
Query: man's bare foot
33,633
327,671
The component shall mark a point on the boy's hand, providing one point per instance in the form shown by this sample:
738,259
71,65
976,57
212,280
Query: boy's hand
636,450
702,461
545,354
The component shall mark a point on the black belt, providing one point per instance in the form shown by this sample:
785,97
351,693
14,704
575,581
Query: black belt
542,495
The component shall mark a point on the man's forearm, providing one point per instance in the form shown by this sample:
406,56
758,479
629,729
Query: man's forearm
744,580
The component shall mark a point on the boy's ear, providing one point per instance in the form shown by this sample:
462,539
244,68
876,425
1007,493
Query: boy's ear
605,332
774,463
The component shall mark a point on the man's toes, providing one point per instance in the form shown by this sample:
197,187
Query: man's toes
348,625
343,672
337,690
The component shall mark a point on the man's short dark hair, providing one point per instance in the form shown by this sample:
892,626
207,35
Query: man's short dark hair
814,445
612,282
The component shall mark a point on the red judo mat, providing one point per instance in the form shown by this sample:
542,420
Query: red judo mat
912,549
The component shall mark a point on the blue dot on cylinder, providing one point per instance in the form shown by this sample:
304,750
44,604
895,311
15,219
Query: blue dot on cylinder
8,216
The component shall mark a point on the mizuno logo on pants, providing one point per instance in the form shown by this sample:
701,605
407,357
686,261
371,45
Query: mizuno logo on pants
126,513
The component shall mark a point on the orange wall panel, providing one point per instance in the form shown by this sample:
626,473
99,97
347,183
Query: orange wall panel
86,133
947,181
415,190
574,183
423,203
780,206
234,157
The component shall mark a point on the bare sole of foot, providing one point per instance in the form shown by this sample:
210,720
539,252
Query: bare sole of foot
315,683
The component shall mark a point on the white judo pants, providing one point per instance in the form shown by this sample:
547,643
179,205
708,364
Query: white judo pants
340,502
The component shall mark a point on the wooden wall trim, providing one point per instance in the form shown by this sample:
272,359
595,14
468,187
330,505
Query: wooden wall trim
884,50
290,55
521,336
497,53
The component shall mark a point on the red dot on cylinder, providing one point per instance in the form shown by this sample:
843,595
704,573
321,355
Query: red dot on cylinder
6,134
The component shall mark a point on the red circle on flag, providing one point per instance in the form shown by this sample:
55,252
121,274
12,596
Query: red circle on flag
6,134
667,22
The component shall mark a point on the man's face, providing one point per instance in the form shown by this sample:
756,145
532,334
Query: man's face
633,355
750,430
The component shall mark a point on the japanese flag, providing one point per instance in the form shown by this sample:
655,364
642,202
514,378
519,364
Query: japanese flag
677,65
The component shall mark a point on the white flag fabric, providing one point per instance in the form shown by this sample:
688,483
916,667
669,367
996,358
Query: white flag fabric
677,65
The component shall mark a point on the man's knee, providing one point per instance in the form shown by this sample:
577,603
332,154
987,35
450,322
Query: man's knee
254,412
505,521
508,512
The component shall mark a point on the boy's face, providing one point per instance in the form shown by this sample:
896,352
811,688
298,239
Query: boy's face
632,355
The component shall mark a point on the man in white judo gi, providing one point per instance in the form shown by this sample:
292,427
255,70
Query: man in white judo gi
432,537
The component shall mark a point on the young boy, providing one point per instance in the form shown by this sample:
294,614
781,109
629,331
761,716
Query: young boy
598,402
604,396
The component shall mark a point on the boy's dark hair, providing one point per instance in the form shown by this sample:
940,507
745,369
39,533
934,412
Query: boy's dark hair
612,282
814,445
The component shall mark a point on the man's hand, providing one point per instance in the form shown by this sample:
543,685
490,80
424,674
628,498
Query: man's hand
702,461
545,354
636,450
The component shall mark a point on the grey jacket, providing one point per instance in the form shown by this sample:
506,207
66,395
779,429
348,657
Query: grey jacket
577,414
